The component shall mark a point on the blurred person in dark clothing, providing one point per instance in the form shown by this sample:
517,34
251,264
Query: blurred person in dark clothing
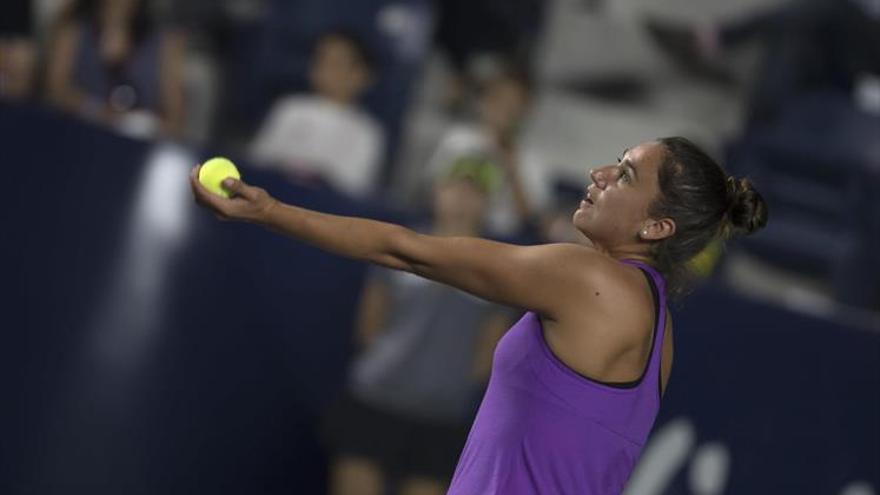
496,135
473,31
18,53
326,135
110,62
425,358
809,44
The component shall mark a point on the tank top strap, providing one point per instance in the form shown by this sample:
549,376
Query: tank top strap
658,288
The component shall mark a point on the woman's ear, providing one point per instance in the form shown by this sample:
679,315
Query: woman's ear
657,230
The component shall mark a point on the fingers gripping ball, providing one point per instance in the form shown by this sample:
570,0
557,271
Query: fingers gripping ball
214,171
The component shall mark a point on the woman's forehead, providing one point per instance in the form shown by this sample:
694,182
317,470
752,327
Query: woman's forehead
647,151
647,156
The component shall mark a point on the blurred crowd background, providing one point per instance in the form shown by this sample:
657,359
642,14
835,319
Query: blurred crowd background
152,350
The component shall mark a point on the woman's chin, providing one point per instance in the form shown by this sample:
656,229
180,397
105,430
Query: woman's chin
578,222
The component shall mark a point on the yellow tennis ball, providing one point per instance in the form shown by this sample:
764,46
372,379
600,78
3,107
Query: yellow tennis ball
214,171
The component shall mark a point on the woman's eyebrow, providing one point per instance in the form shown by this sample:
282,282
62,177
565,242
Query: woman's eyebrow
626,162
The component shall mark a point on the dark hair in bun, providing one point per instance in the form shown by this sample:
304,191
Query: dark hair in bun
748,211
705,203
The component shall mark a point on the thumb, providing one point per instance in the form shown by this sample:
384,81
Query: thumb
233,185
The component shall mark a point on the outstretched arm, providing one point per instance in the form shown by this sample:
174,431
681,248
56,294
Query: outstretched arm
544,279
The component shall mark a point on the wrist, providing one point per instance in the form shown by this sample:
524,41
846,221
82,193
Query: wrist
265,214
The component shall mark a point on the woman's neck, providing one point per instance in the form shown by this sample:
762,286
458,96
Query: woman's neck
638,252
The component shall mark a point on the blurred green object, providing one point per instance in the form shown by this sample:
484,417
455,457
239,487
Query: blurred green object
484,172
704,263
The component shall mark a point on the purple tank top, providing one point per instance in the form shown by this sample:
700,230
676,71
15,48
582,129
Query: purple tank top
544,429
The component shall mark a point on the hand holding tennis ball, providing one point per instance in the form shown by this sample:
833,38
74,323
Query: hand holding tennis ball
214,171
216,185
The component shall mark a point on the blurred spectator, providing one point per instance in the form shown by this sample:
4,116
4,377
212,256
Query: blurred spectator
496,136
474,32
427,352
17,51
809,45
109,61
326,135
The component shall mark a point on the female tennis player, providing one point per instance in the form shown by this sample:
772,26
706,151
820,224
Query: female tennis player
576,383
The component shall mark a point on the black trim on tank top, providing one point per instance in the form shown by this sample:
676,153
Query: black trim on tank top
635,383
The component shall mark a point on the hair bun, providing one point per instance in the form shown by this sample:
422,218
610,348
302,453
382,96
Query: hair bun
748,210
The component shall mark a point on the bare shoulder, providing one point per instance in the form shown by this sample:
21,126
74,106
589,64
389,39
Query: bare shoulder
607,333
628,297
597,283
611,297
586,261
601,274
